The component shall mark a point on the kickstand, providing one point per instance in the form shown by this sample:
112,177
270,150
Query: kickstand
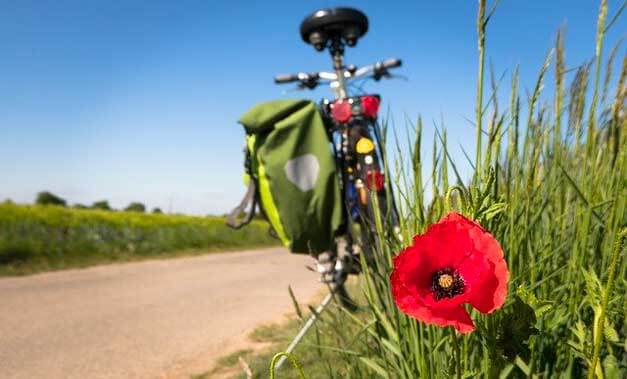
312,319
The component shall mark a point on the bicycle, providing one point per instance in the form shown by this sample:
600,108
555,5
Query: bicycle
353,130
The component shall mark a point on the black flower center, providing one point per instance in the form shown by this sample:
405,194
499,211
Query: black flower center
446,283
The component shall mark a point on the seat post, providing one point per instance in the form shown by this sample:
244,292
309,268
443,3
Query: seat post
337,52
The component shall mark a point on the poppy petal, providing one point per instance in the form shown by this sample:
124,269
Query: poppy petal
446,242
473,269
491,295
413,267
456,317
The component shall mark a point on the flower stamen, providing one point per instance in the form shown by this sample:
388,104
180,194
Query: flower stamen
447,283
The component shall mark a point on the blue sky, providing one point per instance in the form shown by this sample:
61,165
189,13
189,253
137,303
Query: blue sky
138,100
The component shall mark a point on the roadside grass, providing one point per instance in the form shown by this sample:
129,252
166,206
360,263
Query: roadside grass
233,358
315,352
44,238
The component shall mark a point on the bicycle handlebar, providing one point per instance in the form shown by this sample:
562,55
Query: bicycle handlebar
378,70
391,63
285,78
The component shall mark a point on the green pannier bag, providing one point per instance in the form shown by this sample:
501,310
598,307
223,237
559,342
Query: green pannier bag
291,175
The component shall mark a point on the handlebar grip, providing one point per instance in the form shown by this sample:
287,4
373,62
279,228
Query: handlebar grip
286,78
391,63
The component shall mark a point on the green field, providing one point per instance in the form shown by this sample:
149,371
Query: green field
39,238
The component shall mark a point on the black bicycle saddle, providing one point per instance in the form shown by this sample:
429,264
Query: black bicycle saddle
346,24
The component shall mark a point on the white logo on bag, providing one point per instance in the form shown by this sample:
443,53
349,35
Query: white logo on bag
303,171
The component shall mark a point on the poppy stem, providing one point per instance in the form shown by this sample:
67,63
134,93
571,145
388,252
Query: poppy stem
457,356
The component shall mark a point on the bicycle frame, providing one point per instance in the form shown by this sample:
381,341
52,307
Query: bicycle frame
340,84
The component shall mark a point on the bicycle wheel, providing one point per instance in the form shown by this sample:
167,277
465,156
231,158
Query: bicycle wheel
377,212
344,297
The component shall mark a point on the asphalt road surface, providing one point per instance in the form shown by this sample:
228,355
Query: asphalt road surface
154,319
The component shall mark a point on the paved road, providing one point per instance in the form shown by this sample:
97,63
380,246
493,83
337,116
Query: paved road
153,319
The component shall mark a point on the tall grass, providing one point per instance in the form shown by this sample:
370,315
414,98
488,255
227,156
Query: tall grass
551,185
35,238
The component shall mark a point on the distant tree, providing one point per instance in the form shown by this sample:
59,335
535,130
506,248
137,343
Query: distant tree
48,198
136,207
157,210
80,206
102,204
8,201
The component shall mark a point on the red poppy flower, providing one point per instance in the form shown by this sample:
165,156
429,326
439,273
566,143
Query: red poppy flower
455,262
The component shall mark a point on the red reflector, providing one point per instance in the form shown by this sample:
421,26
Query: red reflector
375,180
370,106
341,111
